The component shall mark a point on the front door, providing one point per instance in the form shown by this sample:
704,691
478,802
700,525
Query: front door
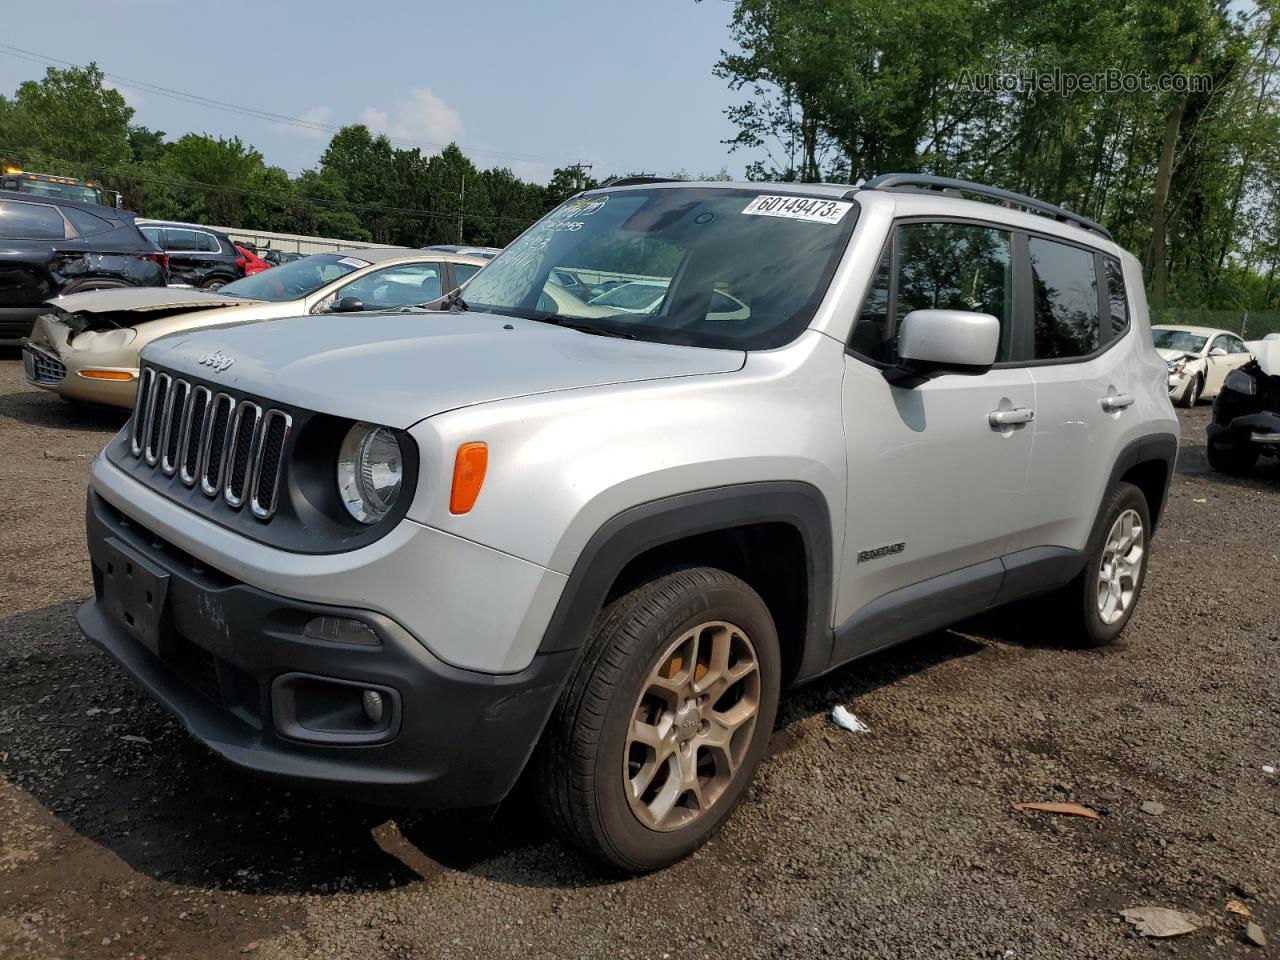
1217,365
937,486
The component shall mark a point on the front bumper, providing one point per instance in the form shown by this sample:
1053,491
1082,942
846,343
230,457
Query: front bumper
50,338
1261,428
221,655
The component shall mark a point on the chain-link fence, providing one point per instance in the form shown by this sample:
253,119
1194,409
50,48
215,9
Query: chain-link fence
1249,324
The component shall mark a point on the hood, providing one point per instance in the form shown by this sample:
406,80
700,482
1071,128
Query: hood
143,299
1166,354
396,369
1267,353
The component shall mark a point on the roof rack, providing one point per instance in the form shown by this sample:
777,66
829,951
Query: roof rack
631,181
919,181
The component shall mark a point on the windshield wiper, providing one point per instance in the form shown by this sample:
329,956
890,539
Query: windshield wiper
559,321
452,302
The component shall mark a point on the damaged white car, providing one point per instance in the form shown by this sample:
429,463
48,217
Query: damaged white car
1199,359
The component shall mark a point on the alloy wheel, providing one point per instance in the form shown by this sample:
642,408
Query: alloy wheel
1121,566
692,725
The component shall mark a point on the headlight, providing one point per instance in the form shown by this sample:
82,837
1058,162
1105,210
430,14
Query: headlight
370,471
103,339
1241,382
1176,366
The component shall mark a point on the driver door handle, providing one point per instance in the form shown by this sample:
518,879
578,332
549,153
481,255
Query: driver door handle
1007,418
1118,402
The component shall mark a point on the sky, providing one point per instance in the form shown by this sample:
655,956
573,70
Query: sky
527,85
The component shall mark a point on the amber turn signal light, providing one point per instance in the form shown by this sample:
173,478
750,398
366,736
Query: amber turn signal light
468,476
106,375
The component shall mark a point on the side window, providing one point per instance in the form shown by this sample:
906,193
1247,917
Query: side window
30,221
462,272
1116,297
86,223
181,240
209,243
399,286
1221,342
1065,296
154,234
1236,346
937,266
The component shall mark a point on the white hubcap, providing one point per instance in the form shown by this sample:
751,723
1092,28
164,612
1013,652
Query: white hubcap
1121,567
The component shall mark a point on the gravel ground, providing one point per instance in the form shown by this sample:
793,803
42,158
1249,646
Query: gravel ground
122,837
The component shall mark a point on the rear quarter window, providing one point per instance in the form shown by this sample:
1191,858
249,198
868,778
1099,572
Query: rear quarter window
30,221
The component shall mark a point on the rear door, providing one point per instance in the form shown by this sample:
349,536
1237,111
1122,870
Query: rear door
937,491
32,235
1080,350
1234,354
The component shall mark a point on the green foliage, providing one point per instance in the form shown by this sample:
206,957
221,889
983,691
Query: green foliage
846,89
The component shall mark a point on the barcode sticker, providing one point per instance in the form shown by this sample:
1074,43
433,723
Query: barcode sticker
799,208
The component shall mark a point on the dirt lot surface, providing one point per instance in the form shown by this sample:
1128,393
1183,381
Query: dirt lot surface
121,837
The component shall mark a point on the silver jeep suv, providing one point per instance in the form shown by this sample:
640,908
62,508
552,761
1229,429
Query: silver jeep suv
413,556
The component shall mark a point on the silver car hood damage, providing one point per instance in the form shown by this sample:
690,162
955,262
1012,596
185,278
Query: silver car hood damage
397,369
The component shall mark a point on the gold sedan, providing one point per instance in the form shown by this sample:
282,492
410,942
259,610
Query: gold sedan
86,348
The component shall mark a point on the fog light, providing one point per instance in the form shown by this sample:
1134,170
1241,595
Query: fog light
372,701
340,630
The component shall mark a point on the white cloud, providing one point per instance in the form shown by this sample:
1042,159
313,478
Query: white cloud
422,116
315,115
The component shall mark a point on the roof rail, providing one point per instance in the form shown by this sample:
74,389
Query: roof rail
920,181
631,181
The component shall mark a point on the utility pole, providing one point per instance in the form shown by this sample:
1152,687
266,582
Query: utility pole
579,178
462,201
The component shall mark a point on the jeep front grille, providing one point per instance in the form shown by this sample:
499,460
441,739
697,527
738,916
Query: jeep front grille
230,449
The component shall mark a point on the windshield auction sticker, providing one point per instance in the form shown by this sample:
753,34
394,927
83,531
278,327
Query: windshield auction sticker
799,208
354,262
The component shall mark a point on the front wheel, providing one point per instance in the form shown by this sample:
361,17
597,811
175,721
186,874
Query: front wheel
214,284
659,732
1194,389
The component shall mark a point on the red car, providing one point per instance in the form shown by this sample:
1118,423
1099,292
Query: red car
252,262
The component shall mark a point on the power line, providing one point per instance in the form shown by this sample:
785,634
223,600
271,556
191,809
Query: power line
256,113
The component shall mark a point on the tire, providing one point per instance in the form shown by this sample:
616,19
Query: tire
213,283
83,285
1192,396
1233,459
1080,613
589,752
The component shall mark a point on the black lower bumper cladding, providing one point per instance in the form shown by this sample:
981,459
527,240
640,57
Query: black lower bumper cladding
240,669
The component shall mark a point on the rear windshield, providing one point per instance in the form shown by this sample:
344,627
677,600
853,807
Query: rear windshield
655,264
291,281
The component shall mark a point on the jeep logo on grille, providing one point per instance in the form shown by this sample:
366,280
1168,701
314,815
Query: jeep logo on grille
218,360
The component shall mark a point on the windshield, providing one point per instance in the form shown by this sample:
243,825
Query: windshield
1178,340
65,191
660,261
292,281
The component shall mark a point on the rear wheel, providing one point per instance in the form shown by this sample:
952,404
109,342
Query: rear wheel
1097,605
1234,459
83,285
659,733
213,283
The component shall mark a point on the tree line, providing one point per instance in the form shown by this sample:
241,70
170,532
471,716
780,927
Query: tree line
1157,118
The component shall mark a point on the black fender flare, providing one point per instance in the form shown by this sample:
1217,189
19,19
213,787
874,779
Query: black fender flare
1153,448
641,528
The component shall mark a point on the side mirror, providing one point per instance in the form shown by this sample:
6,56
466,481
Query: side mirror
347,305
934,342
1217,352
